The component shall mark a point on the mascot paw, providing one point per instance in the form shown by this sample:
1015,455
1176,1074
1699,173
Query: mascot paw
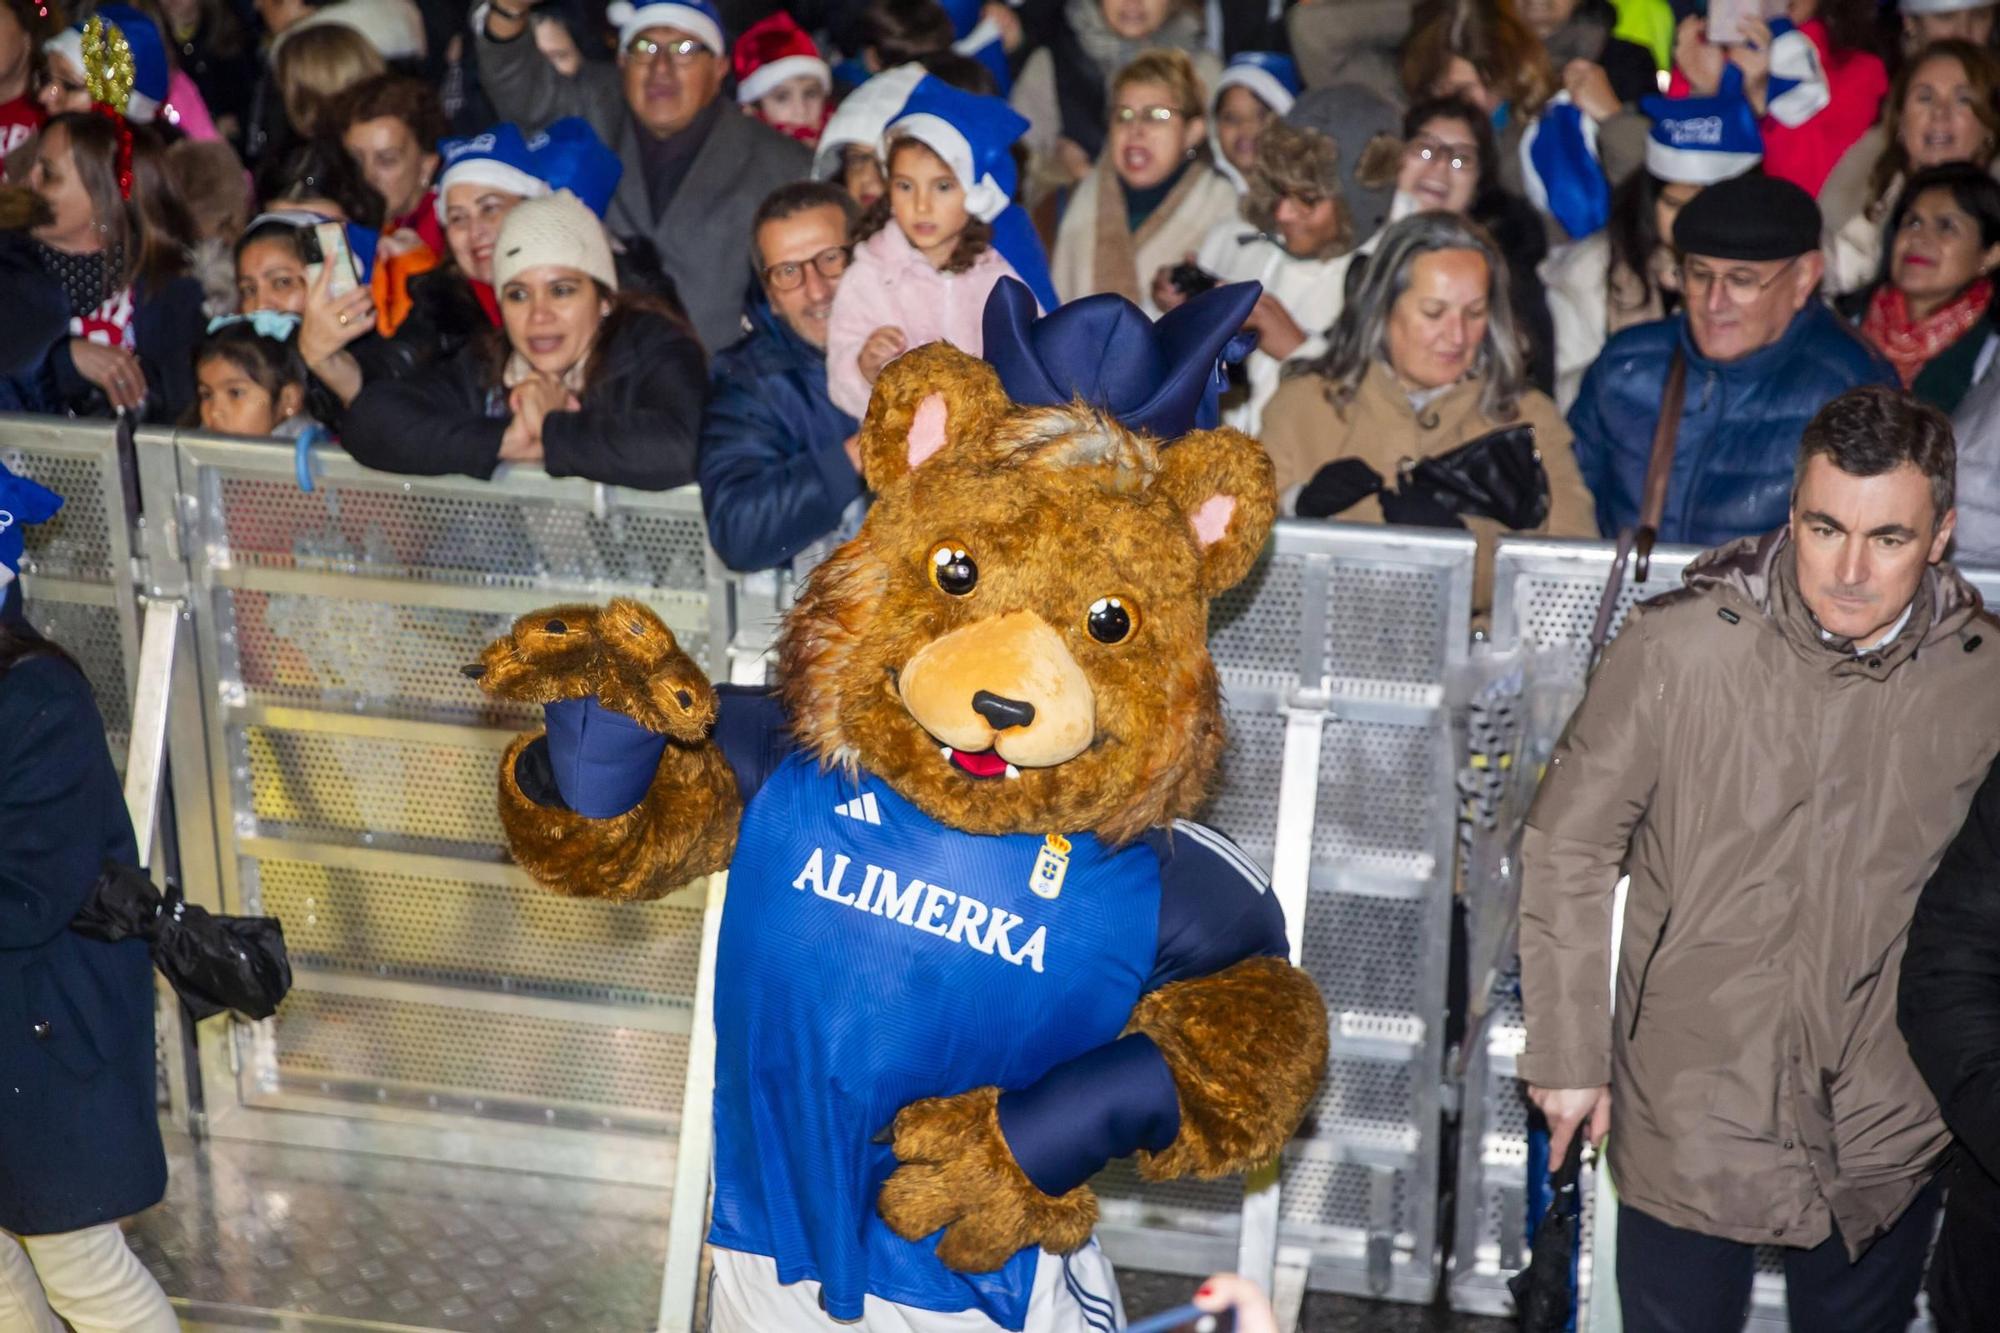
623,654
958,1175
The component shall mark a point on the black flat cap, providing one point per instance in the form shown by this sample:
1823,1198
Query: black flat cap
1750,217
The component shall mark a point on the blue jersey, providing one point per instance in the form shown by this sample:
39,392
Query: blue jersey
871,957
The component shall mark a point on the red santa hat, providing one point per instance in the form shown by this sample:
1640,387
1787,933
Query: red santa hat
772,50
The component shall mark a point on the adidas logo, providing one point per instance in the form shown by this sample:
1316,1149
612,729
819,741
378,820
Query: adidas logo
862,807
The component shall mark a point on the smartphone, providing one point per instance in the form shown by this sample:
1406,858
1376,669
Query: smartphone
1185,1319
1725,18
331,240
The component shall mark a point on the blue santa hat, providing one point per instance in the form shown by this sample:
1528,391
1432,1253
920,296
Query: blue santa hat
1161,378
568,155
1561,170
149,57
1272,78
498,157
361,241
22,502
974,135
863,117
978,36
1702,140
1797,89
697,18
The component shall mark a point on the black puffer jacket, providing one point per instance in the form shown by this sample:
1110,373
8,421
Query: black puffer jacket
638,427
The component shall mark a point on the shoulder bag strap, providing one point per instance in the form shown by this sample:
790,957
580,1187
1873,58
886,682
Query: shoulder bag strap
1638,542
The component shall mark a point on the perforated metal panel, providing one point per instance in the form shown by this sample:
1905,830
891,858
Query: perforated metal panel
76,579
1363,626
352,792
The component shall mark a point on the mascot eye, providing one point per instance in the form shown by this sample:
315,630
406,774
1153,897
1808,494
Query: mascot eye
1111,621
953,570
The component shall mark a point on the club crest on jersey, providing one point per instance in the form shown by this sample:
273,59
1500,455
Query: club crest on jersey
1046,879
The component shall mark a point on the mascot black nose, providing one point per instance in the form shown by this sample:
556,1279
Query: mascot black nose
1002,713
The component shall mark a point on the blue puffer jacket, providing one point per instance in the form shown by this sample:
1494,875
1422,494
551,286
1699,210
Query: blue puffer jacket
773,473
1740,423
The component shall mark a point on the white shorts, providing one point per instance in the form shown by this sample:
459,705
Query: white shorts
1079,1295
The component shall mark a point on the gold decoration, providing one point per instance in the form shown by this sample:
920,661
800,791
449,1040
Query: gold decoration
107,64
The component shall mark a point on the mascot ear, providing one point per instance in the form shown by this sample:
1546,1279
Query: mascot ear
1222,481
930,400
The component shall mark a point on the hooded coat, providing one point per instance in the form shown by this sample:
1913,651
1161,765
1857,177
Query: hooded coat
1778,800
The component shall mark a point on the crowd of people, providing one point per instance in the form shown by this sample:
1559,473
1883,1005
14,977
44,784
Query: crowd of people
1639,244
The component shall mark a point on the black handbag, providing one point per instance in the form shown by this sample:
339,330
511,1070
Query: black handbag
1497,476
213,962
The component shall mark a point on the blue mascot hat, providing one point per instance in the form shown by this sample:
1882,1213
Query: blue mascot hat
568,155
1702,140
1160,378
1273,78
975,135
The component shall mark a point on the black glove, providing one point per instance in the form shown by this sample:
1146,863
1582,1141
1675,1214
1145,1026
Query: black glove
1338,487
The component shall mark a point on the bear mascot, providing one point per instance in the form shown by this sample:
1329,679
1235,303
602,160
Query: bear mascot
972,948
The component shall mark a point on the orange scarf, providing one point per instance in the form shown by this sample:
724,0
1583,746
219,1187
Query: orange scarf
1910,344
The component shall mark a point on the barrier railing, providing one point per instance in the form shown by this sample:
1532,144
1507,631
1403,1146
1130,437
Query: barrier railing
330,765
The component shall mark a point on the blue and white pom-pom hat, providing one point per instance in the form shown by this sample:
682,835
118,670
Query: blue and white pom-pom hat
498,157
150,71
22,502
697,18
863,115
1273,79
568,155
1702,140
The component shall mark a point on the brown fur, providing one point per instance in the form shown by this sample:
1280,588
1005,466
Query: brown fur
625,655
957,1174
1247,1048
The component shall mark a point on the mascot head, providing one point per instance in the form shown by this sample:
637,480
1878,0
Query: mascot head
1016,641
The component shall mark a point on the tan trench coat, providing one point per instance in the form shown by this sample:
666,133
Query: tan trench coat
1303,431
1778,801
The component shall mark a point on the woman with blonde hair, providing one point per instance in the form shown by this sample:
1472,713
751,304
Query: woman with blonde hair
1154,193
1943,107
315,67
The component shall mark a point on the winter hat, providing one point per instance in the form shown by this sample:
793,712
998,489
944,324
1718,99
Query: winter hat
556,229
1162,378
498,157
21,502
1272,78
568,155
1797,89
696,18
772,50
1355,117
974,136
975,35
863,115
1561,169
1702,140
135,57
1753,217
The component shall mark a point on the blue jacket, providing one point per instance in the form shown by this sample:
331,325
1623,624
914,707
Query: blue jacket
1740,423
79,1131
773,473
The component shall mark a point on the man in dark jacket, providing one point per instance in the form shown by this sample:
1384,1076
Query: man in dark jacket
778,459
1762,353
1950,1013
695,167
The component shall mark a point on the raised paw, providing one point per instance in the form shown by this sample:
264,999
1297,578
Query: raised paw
623,655
958,1175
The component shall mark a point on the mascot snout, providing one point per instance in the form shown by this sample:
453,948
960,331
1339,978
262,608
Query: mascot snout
1005,685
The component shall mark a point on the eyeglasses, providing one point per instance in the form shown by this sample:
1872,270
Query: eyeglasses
645,50
1455,156
1152,115
791,275
1740,285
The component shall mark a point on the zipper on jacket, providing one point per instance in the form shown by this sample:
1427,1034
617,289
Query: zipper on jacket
1639,1000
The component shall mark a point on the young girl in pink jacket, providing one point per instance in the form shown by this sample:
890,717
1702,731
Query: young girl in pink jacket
933,247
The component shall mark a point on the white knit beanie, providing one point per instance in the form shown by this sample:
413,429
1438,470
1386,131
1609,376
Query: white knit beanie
556,229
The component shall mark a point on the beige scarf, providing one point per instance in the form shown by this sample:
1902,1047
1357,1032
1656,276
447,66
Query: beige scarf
1115,254
517,370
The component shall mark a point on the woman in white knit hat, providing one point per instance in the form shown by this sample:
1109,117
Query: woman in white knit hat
581,378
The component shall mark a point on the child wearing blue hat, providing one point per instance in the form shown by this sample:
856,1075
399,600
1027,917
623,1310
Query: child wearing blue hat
932,249
1255,88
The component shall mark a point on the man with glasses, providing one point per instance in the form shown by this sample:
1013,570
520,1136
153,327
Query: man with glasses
695,167
1761,353
780,469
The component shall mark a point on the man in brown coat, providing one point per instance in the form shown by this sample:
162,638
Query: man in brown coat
1778,755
